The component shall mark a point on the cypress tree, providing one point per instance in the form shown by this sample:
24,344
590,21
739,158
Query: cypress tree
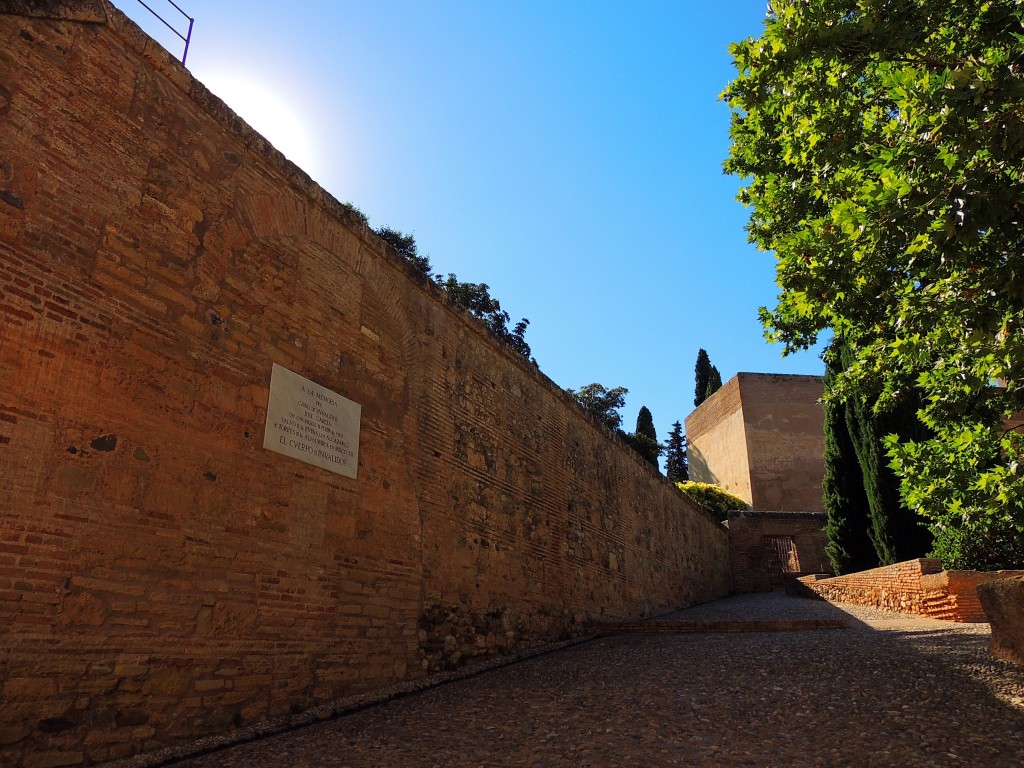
645,438
702,375
714,382
675,455
896,532
849,548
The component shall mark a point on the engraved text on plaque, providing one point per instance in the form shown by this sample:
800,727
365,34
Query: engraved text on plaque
311,423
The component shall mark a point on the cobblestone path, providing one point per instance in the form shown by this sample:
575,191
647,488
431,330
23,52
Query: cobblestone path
890,691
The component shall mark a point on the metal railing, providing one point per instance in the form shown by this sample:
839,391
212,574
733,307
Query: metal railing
187,37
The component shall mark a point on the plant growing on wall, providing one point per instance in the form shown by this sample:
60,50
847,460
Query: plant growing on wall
883,148
676,468
475,298
715,499
405,246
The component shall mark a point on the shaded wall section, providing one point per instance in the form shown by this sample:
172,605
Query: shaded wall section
765,548
716,442
162,576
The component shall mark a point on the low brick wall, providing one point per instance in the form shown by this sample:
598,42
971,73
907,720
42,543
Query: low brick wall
918,587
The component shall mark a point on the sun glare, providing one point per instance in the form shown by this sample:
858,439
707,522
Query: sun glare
270,114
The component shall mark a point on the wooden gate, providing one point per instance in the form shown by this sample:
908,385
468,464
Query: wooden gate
781,558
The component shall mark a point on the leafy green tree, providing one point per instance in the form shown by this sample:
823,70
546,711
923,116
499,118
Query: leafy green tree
714,382
405,245
849,547
715,499
602,402
883,148
702,377
645,439
676,468
477,300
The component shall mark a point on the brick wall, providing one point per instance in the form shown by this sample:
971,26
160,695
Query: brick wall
750,535
162,576
918,587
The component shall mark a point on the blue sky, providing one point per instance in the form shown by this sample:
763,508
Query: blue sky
567,154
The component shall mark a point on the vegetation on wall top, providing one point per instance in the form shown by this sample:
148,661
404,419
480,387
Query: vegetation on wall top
475,298
715,499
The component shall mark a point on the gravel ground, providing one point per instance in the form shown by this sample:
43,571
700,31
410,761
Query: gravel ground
890,691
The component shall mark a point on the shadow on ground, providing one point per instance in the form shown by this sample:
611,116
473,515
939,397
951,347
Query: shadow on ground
888,691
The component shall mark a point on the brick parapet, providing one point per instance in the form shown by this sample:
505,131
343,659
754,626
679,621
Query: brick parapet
918,587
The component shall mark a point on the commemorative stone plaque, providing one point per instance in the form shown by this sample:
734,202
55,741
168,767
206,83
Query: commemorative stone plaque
311,423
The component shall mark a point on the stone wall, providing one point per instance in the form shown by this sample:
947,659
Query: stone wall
761,437
919,587
162,575
751,539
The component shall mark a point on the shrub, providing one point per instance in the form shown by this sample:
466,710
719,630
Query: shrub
715,499
1000,547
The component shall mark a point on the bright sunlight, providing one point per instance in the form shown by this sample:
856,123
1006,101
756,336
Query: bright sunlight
279,121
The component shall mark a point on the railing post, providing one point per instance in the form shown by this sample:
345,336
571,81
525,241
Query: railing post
164,21
188,39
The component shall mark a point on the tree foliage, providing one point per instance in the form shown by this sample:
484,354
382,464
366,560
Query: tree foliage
477,300
676,468
715,499
714,382
848,546
602,403
701,377
473,297
883,144
405,245
645,439
896,531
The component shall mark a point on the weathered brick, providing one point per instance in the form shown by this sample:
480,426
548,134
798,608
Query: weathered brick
188,544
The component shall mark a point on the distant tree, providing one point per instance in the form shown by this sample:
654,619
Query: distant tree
849,547
702,375
602,402
645,440
405,245
714,382
476,298
676,468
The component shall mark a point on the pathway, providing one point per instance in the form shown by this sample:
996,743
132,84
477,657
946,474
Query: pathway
891,691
